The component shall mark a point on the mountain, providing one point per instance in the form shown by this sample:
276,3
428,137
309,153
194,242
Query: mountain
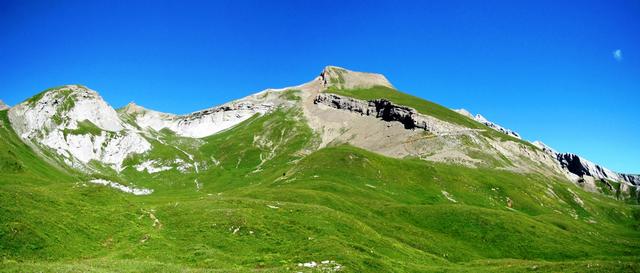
3,106
78,125
343,173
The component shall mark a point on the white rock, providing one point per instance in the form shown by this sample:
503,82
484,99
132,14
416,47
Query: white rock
464,112
449,196
152,166
209,121
483,120
310,264
132,190
44,122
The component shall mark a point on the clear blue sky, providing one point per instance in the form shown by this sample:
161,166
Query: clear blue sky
544,68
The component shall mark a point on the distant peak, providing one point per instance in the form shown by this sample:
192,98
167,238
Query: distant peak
334,68
69,87
464,112
342,78
481,119
72,88
64,92
544,147
3,106
132,108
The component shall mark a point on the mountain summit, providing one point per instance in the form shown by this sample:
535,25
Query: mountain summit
342,78
3,106
341,173
77,125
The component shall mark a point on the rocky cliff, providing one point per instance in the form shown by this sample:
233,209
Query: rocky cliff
589,174
388,111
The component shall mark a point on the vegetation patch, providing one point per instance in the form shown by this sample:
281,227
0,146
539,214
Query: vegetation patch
84,127
290,95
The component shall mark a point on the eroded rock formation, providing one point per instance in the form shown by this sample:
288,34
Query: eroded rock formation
388,111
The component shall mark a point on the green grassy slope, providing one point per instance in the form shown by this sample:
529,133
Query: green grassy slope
269,201
45,211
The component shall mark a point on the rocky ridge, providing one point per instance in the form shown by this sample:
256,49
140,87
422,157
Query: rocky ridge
341,78
394,130
575,168
209,121
3,106
587,173
388,111
490,124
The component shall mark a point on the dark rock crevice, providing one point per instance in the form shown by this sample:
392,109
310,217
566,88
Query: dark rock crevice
572,163
580,167
379,108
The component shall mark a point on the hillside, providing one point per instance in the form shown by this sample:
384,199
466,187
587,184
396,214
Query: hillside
341,174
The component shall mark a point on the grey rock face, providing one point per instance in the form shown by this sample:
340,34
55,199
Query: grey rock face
582,167
590,172
579,169
388,111
631,178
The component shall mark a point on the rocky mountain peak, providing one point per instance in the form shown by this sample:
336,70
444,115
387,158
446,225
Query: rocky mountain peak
67,105
544,147
585,172
79,91
3,106
464,112
341,78
76,123
132,108
480,118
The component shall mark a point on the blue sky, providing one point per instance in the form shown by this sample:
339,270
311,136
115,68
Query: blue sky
565,73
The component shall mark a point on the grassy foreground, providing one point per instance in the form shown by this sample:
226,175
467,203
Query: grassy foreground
269,202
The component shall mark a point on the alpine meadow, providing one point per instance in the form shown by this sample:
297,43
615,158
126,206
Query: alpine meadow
341,174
